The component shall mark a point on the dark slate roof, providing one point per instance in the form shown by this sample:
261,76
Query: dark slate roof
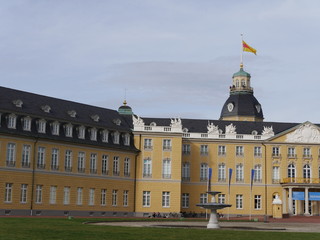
244,105
59,109
59,112
242,127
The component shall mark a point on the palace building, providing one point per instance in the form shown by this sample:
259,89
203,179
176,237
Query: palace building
62,158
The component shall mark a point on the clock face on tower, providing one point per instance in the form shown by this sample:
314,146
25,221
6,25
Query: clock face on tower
230,107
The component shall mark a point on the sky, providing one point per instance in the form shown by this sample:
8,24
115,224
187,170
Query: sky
167,58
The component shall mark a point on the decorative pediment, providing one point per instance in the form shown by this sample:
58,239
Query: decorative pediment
306,133
17,103
212,129
95,117
137,121
117,121
231,129
176,122
46,108
72,113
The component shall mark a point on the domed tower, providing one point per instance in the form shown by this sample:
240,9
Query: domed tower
241,104
124,109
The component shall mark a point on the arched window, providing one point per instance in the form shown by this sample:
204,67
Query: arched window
291,171
306,171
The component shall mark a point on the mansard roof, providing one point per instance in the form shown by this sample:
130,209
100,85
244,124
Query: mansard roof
53,108
242,127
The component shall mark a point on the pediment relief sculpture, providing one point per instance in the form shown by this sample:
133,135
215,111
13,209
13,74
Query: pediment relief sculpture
306,133
137,121
212,129
231,129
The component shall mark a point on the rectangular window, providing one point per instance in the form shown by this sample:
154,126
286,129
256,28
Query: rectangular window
239,173
79,195
306,152
103,201
81,162
81,132
93,134
221,172
126,168
38,193
166,144
291,152
23,193
257,173
55,128
126,139
239,151
42,126
116,170
239,201
11,155
25,160
276,152
204,150
66,195
147,168
275,174
186,149
68,130
26,124
203,172
185,200
186,172
41,163
146,199
53,195
222,198
91,196
105,164
166,168
93,163
125,198
68,161
165,199
105,136
257,202
147,144
114,197
12,121
203,198
257,152
8,193
222,150
55,159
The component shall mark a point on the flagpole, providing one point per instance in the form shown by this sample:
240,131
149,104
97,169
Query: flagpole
241,55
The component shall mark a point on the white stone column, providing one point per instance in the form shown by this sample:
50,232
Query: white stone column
290,201
284,202
306,202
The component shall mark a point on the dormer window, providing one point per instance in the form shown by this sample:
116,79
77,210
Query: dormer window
153,124
46,108
126,139
12,120
55,128
72,113
95,118
26,124
81,132
17,103
105,136
116,137
42,126
68,130
93,134
117,121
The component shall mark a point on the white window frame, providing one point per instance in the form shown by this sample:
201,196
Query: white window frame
93,163
38,199
24,193
126,167
203,198
41,161
42,126
55,159
12,121
79,196
68,128
276,174
257,202
116,137
221,198
105,136
8,193
82,132
53,195
221,150
125,198
166,168
11,154
203,171
204,150
165,199
166,144
126,139
147,168
257,151
93,134
66,195
239,151
146,199
114,197
55,128
103,201
91,197
81,162
239,172
221,172
239,201
185,171
116,166
258,173
186,149
26,125
105,164
68,161
147,144
185,200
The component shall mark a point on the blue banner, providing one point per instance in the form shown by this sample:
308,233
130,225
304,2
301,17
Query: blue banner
297,195
314,196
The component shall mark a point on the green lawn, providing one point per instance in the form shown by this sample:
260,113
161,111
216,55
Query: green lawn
61,228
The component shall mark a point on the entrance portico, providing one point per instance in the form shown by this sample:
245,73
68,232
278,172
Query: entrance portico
301,198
